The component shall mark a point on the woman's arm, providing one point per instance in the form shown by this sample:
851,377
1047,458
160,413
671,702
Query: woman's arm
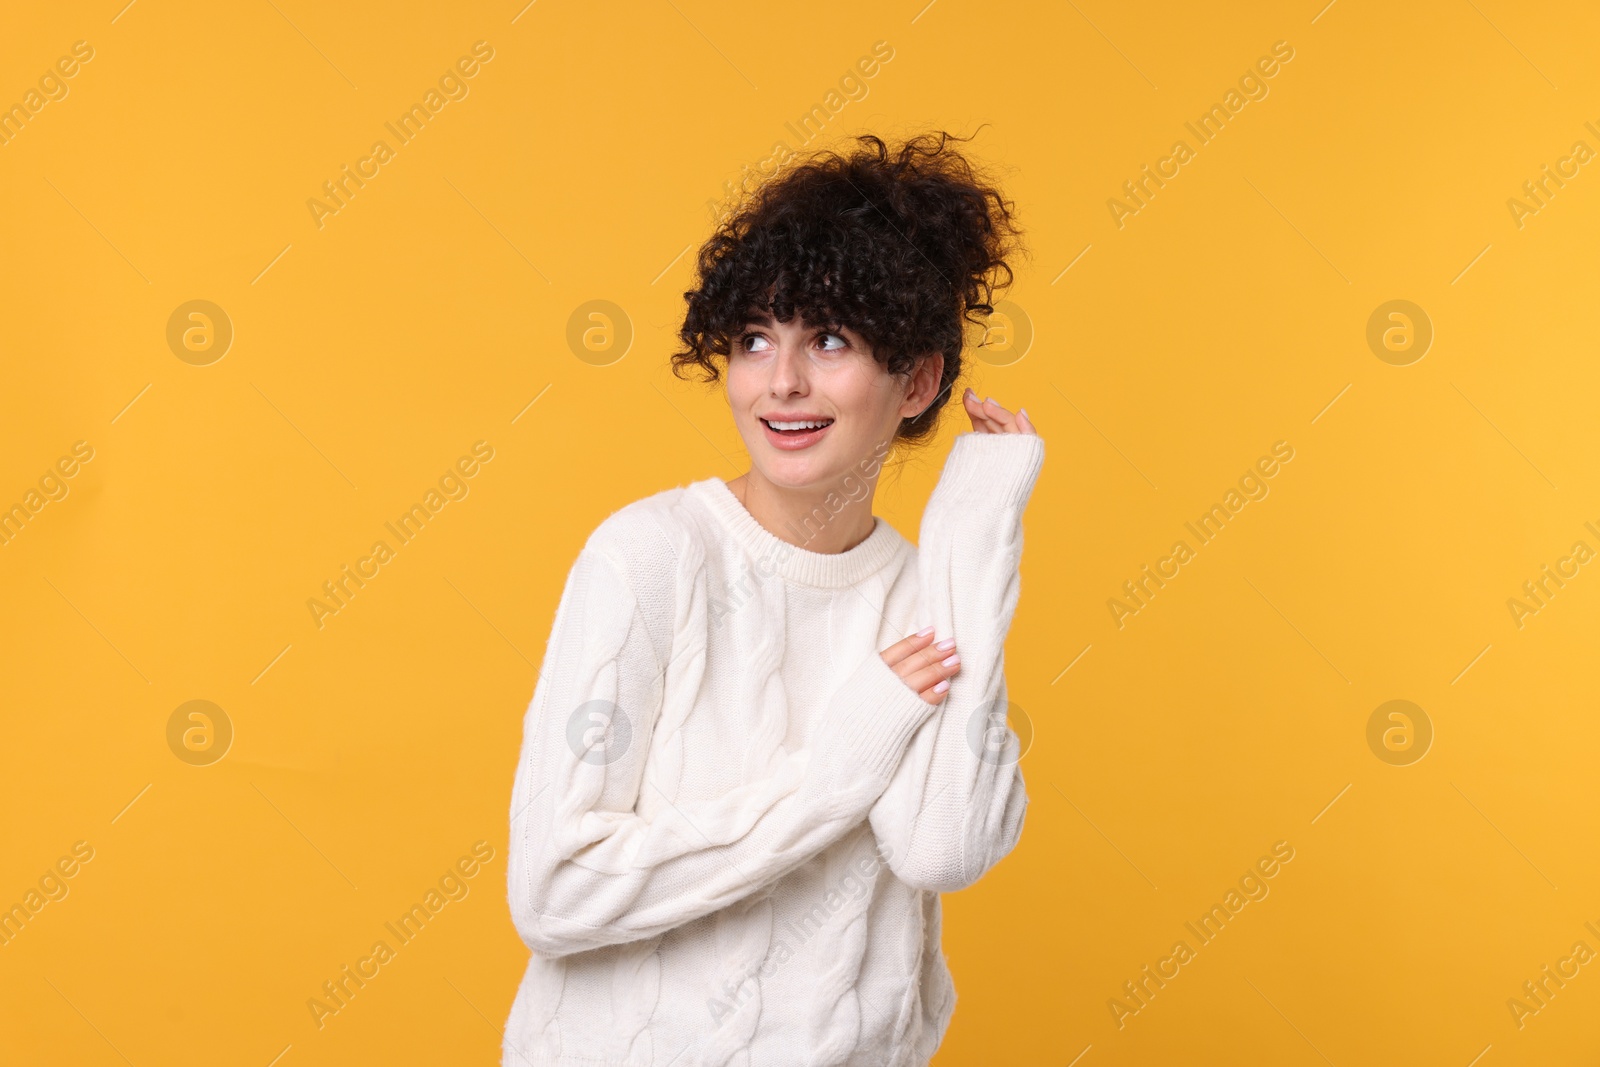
955,805
586,868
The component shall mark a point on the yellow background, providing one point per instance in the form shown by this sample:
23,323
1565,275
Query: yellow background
370,353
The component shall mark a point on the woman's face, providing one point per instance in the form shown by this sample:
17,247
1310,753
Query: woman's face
812,404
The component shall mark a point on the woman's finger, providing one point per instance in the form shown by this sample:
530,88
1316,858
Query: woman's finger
999,416
897,652
981,422
925,657
925,677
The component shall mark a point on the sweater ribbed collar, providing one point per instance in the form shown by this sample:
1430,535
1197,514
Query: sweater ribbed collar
773,555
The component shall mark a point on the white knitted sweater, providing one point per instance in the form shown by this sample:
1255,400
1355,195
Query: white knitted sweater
731,820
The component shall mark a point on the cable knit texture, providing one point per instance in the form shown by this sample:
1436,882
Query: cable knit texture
731,821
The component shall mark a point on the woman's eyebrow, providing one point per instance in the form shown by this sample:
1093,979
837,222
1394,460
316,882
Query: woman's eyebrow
764,318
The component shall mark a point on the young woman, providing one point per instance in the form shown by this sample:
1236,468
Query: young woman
742,787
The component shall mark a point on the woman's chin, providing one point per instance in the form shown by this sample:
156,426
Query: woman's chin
797,473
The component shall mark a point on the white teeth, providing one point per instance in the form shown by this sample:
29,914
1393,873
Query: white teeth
798,425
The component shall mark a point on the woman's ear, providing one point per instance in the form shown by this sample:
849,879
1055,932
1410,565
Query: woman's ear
924,385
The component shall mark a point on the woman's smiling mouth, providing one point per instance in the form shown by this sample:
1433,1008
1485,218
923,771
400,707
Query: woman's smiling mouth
796,431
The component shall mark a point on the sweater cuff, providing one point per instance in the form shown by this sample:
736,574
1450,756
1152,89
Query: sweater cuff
994,467
874,716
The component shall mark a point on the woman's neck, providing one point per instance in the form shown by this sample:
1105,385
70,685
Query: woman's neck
824,519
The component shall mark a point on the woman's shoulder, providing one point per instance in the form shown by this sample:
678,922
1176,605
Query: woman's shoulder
652,543
643,532
649,549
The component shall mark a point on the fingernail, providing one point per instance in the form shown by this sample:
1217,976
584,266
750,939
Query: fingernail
946,645
952,661
1024,413
942,686
988,400
925,631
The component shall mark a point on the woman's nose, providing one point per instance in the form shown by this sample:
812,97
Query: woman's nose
789,370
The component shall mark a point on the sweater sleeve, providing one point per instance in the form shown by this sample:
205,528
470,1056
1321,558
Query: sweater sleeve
956,803
600,855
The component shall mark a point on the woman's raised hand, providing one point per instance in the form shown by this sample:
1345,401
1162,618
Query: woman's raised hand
989,417
923,664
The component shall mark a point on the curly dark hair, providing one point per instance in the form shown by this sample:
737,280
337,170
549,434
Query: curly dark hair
903,247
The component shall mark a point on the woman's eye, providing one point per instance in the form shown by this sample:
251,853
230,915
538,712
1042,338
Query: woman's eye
833,336
750,342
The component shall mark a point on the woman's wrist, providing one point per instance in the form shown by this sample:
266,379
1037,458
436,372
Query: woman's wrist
988,468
